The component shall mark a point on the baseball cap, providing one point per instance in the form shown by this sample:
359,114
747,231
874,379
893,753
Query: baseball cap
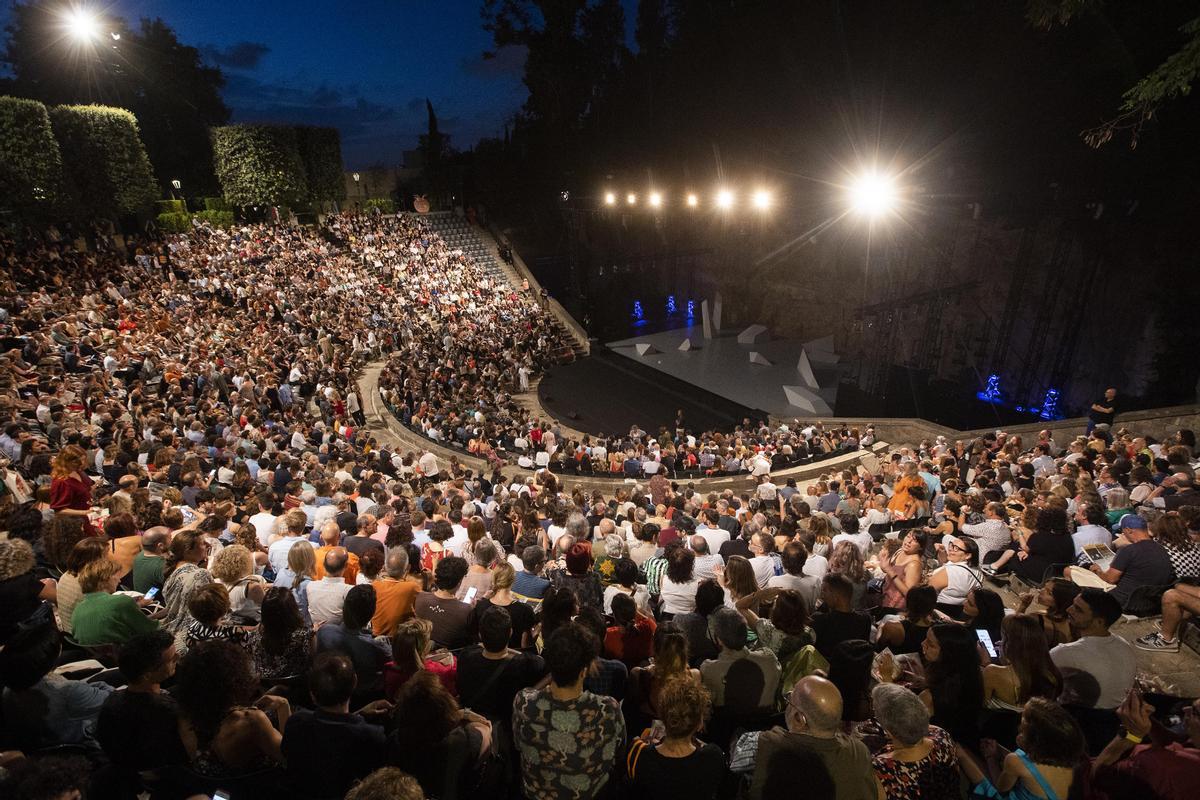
1132,521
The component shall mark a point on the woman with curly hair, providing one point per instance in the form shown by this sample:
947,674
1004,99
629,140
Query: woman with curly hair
226,733
846,559
21,593
59,537
70,488
233,568
678,766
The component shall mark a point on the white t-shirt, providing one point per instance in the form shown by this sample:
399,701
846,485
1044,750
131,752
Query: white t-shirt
1090,534
678,598
264,526
714,536
704,566
641,598
862,539
816,566
1109,659
960,579
808,586
764,569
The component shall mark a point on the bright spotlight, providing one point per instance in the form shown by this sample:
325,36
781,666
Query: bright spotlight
873,194
82,24
610,199
655,199
762,199
693,201
631,198
725,199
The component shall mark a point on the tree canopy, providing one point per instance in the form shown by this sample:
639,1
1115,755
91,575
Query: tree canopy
104,160
321,152
31,169
259,165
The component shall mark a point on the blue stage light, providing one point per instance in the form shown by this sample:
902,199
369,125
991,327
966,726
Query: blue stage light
637,310
691,309
670,304
991,392
1050,405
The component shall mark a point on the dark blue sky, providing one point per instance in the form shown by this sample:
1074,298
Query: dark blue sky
364,66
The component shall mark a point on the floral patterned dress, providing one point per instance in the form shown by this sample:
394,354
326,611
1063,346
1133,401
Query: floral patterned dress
933,777
567,747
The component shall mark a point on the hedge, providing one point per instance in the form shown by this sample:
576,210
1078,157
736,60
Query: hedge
171,207
174,222
104,158
31,168
219,219
259,165
321,153
215,204
385,205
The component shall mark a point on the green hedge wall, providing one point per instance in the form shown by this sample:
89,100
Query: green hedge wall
31,168
385,205
259,165
174,222
321,153
104,159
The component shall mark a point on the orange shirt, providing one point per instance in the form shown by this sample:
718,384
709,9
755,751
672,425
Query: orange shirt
393,604
351,573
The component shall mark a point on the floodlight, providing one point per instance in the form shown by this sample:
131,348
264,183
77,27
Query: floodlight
693,201
655,199
873,194
610,199
631,198
762,199
82,24
725,199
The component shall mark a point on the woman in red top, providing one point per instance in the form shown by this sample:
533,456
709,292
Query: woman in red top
411,653
631,639
70,489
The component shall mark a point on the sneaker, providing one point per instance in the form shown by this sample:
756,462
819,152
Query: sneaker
1156,641
989,570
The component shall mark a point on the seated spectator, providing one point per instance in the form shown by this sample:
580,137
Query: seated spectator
1145,761
138,726
490,674
695,624
450,617
707,563
729,631
1107,660
530,586
814,720
679,584
1091,527
21,592
521,615
327,595
328,748
787,629
1055,597
1171,532
184,575
387,783
1027,670
579,577
351,635
225,730
1031,558
920,760
208,607
568,738
902,564
282,643
794,556
678,766
149,563
302,566
959,575
103,617
953,679
851,533
479,573
412,652
845,559
395,593
609,676
983,610
40,707
1051,746
630,639
838,622
906,634
233,568
1142,562
438,743
1178,604
331,537
764,560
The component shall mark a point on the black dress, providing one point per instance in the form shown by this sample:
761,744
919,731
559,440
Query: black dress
1045,550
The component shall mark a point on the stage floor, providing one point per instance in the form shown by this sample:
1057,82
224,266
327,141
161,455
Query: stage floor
722,366
605,393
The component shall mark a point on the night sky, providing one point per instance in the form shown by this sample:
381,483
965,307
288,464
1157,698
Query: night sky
363,66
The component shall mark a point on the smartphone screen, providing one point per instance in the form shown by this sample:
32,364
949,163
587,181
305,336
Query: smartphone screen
152,593
470,596
220,794
985,639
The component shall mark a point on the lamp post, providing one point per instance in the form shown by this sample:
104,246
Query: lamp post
357,182
176,185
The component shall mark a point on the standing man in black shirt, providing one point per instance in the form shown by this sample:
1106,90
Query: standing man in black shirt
1103,410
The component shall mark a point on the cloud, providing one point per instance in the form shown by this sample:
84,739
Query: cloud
242,55
507,62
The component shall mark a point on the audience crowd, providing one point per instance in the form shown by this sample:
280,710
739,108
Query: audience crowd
214,578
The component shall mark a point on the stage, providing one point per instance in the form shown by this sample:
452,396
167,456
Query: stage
744,366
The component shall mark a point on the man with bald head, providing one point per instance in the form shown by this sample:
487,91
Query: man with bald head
327,596
395,593
814,731
331,537
1175,491
149,563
